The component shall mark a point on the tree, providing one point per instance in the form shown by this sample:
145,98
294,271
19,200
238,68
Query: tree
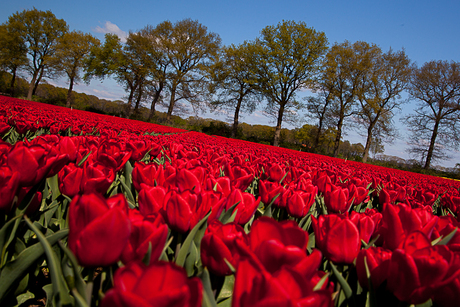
13,53
376,146
39,30
160,64
306,136
319,108
435,123
287,59
379,94
189,48
344,67
233,80
72,50
127,63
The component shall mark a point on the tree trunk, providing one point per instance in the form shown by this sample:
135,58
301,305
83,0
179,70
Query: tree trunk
39,79
318,134
172,101
235,118
155,100
369,139
368,145
429,154
31,86
130,101
276,139
338,137
69,94
138,99
13,80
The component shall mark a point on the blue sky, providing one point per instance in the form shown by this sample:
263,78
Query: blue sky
427,30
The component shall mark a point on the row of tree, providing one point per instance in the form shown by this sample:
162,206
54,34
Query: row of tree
182,64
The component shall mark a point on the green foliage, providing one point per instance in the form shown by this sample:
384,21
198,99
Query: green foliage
218,128
72,50
287,58
39,30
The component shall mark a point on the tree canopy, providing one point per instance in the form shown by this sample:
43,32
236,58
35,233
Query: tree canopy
287,60
39,30
435,122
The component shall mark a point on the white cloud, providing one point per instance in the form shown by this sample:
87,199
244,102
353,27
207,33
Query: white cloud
112,28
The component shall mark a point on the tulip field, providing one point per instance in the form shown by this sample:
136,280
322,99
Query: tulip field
97,210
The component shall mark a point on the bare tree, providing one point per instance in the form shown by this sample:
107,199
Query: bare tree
234,83
319,108
379,94
435,123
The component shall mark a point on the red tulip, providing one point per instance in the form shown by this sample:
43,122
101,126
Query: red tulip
147,175
112,155
298,203
247,205
398,221
336,200
256,287
161,284
70,178
365,225
275,173
96,178
9,182
187,180
337,237
151,200
145,232
278,243
219,243
35,162
378,263
419,270
269,190
98,234
358,195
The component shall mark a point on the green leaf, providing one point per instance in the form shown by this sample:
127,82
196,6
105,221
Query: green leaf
14,270
54,185
345,286
148,255
447,238
284,177
60,291
13,223
371,296
49,212
128,193
80,300
80,285
372,242
84,158
128,171
226,291
185,249
225,303
24,297
321,282
225,216
232,218
428,303
164,255
208,295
